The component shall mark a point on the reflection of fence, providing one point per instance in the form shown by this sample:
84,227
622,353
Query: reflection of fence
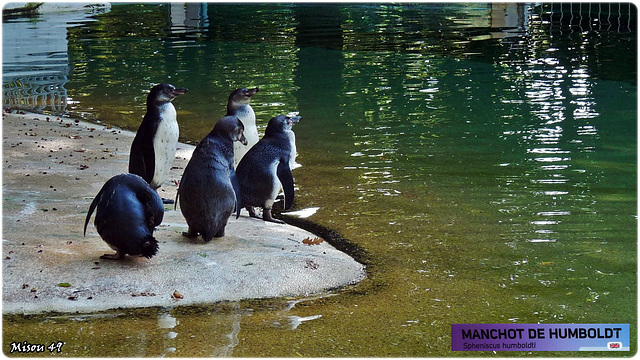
618,17
37,93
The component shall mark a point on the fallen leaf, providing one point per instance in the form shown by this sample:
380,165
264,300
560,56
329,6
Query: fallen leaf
314,241
64,284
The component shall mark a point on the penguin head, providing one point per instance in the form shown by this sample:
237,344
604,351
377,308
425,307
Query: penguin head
281,123
163,93
242,95
230,127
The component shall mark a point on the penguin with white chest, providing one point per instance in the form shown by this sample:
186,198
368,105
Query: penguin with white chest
266,168
154,146
209,190
238,106
127,212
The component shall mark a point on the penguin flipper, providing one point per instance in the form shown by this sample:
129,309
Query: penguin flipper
175,204
148,163
152,203
286,179
142,159
236,189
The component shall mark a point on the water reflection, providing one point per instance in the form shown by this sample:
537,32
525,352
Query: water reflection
35,64
167,321
232,337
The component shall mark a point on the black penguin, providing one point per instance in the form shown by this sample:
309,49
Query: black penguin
128,210
238,106
154,146
266,168
209,190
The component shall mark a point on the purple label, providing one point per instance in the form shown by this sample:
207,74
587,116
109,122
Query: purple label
540,337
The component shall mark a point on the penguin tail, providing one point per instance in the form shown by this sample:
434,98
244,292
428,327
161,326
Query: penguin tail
149,246
207,235
92,207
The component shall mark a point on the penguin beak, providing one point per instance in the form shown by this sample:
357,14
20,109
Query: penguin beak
180,91
242,138
251,92
293,119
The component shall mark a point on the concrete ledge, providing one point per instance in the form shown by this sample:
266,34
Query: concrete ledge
52,169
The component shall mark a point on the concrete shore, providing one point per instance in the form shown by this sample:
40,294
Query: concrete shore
52,169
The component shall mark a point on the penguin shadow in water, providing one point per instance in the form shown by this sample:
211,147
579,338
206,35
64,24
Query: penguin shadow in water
209,190
238,106
127,212
266,169
154,146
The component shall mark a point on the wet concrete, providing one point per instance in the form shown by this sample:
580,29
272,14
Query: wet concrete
52,169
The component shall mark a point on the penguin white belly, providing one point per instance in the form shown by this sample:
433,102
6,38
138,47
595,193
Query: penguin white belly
294,152
248,119
165,143
276,187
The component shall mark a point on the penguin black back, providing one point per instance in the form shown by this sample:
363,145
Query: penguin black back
209,190
127,212
266,168
154,145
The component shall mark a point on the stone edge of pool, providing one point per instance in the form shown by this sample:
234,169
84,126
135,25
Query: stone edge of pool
52,169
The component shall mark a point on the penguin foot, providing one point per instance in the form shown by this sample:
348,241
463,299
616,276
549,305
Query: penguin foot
168,201
266,216
117,256
252,212
190,233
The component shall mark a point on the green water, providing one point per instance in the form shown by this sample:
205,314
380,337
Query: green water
486,171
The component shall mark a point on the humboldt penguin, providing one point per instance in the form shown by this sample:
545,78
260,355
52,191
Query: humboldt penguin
127,212
238,106
209,190
266,168
154,146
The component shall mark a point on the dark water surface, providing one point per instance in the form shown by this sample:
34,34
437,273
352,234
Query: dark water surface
483,157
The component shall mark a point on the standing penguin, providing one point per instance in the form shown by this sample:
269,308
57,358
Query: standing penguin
209,190
128,210
154,146
266,168
238,106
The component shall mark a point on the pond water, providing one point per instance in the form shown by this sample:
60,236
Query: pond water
481,159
